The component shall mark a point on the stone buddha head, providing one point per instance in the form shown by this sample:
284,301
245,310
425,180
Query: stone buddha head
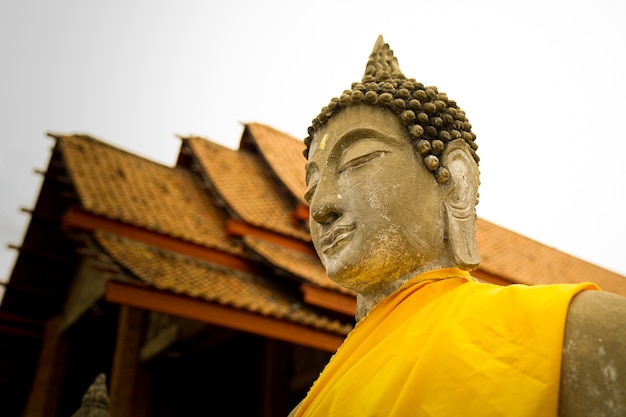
392,181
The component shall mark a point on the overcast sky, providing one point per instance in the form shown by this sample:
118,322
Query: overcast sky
542,82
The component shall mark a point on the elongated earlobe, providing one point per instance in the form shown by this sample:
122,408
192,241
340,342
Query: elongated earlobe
460,204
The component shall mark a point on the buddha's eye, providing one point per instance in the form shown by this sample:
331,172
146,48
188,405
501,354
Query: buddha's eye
361,160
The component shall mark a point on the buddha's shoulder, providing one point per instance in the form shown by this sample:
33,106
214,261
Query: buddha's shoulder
593,377
594,313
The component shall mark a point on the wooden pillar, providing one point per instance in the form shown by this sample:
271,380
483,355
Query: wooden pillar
128,392
46,389
276,368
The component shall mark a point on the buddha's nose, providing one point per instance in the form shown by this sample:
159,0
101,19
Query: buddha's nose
325,204
325,213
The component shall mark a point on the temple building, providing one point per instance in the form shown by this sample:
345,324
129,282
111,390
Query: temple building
193,287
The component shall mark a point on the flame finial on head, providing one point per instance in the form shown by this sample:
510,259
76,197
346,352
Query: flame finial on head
381,61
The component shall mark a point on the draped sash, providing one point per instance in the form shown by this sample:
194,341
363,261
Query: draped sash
446,345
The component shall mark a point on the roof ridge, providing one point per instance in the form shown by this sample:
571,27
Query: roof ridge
274,129
277,150
101,142
206,139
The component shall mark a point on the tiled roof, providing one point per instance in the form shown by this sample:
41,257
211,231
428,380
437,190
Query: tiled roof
243,183
520,259
300,264
283,154
183,275
127,188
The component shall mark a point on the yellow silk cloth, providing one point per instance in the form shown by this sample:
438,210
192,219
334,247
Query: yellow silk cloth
446,345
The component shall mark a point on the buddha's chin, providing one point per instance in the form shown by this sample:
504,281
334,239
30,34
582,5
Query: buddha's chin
347,267
349,275
342,274
368,274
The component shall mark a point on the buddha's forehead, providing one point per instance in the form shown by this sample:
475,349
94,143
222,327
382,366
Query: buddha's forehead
352,121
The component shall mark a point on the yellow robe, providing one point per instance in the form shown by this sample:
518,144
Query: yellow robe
446,345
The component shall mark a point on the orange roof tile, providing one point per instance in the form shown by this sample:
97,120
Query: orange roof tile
283,153
183,275
249,191
522,260
305,266
124,187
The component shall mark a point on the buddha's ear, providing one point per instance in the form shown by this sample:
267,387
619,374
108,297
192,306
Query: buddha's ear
460,204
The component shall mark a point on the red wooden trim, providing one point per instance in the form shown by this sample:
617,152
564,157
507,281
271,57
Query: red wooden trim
26,289
75,218
12,318
239,228
19,332
208,312
302,212
331,300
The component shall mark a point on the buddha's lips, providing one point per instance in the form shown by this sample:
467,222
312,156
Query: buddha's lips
334,236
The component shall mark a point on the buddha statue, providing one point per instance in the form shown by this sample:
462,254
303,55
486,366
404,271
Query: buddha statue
392,184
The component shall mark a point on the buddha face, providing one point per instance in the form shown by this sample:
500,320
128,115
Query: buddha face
376,211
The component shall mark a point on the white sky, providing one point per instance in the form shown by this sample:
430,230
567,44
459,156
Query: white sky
541,81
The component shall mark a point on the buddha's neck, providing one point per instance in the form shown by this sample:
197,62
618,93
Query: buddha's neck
366,301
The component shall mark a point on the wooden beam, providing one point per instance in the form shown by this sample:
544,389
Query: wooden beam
47,382
79,219
331,300
41,215
15,319
240,229
490,278
212,313
17,331
275,386
127,387
40,254
27,289
302,212
60,178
